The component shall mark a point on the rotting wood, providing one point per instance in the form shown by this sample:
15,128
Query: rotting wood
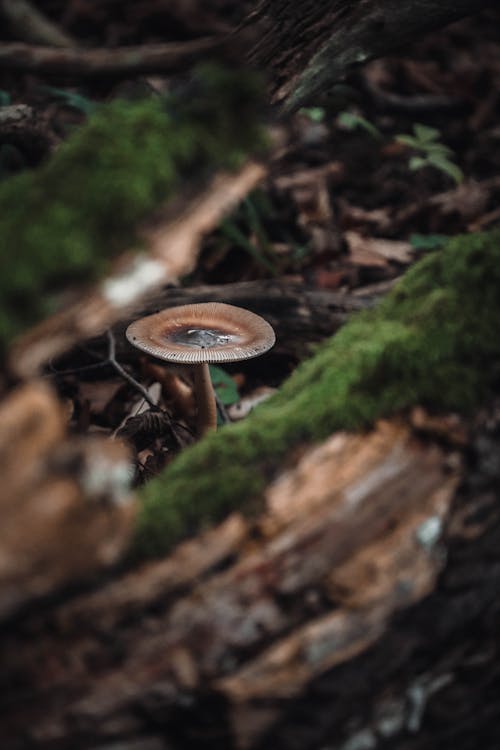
249,612
65,504
19,124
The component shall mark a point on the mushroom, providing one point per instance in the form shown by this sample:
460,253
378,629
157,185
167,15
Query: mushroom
197,335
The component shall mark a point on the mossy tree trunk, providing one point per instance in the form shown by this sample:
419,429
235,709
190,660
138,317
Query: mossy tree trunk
342,591
359,610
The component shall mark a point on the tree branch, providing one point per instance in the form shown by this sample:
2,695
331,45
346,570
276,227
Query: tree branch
28,23
121,61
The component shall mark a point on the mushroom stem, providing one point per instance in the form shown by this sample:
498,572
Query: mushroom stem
205,399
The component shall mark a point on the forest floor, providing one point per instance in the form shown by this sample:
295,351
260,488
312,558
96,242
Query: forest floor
403,155
326,613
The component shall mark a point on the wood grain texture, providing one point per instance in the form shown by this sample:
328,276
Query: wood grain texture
250,616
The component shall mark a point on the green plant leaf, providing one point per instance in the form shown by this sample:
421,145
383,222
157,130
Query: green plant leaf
428,241
417,162
438,148
446,166
408,140
71,99
351,121
316,114
233,233
224,386
425,134
253,217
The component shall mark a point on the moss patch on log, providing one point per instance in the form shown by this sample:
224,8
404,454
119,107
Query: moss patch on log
62,223
432,341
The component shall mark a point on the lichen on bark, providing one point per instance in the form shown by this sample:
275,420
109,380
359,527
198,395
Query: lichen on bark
432,341
61,224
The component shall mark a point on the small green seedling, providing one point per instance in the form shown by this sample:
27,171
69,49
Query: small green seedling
352,121
224,386
315,114
430,152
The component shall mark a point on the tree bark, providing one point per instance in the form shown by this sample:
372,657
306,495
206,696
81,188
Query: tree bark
306,48
303,48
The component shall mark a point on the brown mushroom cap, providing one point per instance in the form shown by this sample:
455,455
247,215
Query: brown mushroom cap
204,332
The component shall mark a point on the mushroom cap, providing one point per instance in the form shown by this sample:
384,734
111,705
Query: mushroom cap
203,332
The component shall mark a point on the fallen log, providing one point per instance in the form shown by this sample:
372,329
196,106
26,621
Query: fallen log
306,48
337,614
342,589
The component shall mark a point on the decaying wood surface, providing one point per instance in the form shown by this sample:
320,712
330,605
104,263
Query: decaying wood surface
346,609
19,124
65,502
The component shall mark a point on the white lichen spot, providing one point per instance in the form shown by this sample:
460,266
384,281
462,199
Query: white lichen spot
143,274
107,479
418,695
390,718
429,532
362,740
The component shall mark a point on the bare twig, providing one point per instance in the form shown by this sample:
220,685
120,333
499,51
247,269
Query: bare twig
133,382
26,22
95,62
109,360
124,374
387,101
75,370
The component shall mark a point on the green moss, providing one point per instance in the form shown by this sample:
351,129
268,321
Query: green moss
61,223
433,341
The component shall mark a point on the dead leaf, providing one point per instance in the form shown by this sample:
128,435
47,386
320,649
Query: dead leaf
469,200
98,394
355,216
242,408
375,252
